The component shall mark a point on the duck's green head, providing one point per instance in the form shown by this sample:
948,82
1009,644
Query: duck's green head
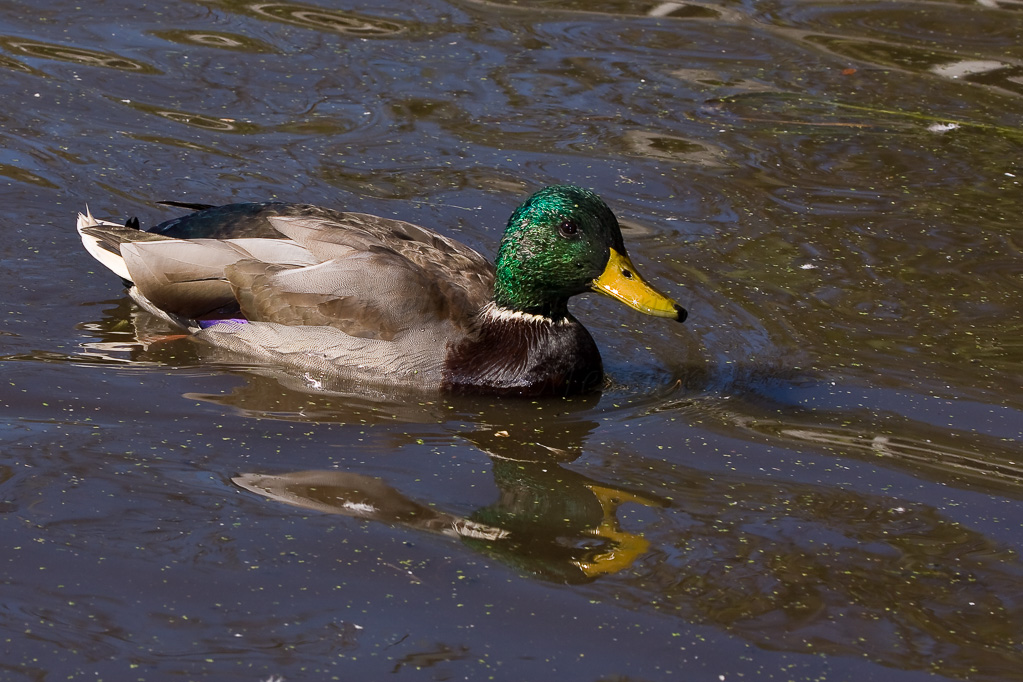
563,241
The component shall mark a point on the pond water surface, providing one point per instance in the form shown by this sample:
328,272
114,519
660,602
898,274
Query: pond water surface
818,476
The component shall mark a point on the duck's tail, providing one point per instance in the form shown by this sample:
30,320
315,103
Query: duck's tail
103,240
101,244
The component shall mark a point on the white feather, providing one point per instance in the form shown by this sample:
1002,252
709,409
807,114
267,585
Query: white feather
110,260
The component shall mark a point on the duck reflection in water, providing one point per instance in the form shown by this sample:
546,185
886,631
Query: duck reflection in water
548,521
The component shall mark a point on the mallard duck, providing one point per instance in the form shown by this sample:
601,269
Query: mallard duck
358,296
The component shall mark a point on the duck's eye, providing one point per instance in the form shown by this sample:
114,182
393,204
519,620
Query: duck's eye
568,228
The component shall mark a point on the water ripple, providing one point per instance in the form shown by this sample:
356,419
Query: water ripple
1005,75
924,23
15,65
219,39
76,55
197,120
348,23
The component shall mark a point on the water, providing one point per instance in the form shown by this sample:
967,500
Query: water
818,476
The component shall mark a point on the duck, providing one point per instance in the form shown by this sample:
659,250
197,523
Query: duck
363,298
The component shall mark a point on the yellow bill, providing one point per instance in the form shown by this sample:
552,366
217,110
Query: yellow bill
620,280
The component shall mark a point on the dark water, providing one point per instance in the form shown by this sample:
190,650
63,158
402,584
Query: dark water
819,476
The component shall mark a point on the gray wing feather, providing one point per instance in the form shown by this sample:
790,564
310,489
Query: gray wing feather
442,258
186,277
374,295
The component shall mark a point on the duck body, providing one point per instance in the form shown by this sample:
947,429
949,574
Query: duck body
360,297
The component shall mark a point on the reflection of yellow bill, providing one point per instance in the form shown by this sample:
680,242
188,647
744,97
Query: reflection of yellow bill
625,547
620,280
